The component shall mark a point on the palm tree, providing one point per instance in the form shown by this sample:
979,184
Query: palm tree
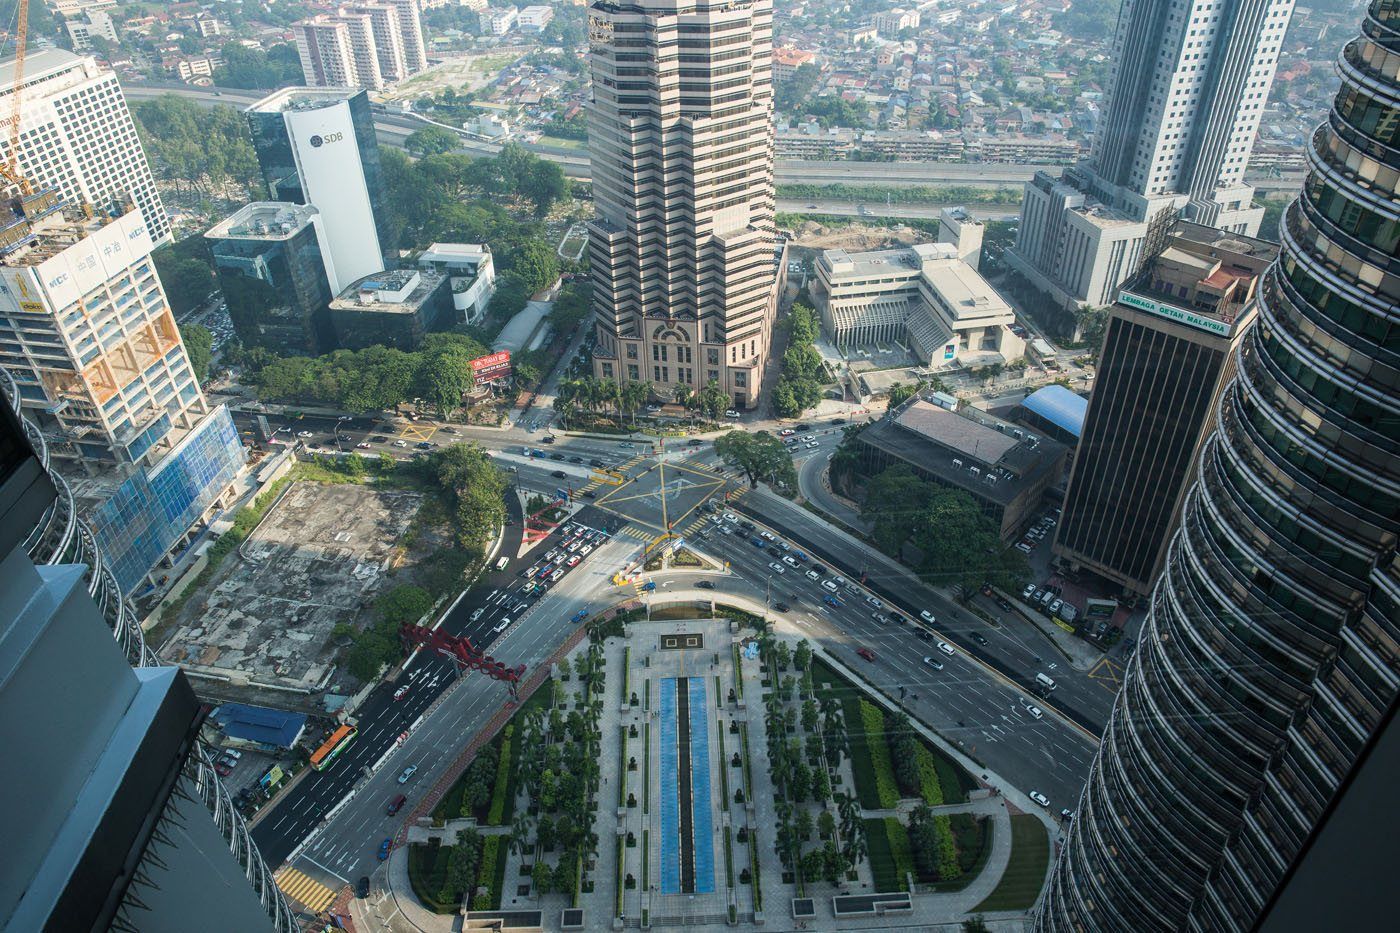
520,828
856,849
683,396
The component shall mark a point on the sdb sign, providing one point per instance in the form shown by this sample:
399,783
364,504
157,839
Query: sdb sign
491,367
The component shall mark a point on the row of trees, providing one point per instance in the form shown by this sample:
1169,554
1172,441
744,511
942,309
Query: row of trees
559,771
372,379
956,542
803,372
597,396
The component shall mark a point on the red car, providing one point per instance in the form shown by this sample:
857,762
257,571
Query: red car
402,692
867,654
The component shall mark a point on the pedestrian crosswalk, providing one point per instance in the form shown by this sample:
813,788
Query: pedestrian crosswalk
305,890
637,533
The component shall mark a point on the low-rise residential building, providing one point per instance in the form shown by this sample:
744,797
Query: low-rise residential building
534,18
786,61
498,22
92,24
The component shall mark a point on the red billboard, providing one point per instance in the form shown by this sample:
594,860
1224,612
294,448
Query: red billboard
491,367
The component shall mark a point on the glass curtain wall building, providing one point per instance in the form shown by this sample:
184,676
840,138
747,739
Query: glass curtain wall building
1271,652
123,823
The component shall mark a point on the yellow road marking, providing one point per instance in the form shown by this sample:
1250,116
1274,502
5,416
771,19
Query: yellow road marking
305,890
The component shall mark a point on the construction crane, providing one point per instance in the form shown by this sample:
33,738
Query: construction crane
9,171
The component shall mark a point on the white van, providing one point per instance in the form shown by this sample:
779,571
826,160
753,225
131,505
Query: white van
1045,681
501,564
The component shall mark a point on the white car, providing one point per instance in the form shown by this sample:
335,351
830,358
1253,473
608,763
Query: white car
476,614
1029,589
927,616
947,649
829,585
786,432
501,627
400,443
363,445
1035,711
303,434
730,517
789,561
874,602
731,413
1039,798
408,774
1055,606
586,550
813,575
777,567
934,663
767,536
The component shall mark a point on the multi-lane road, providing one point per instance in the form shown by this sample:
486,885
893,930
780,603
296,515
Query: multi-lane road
329,826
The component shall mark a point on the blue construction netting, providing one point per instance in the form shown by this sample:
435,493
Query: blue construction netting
1059,406
670,804
700,788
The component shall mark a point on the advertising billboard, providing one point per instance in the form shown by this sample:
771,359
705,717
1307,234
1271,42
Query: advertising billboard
491,367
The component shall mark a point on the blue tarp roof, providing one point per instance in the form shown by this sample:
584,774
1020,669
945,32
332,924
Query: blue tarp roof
1060,407
259,724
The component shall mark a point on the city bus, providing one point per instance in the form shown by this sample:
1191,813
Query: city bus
332,747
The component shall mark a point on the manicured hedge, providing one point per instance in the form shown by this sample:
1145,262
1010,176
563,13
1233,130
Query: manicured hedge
497,811
872,721
492,871
427,870
930,788
884,867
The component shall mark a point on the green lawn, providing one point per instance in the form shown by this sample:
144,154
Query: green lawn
1025,873
561,142
885,853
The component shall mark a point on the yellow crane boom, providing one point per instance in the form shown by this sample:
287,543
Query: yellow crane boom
10,170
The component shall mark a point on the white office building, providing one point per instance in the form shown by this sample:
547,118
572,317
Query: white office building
320,142
923,295
77,135
498,22
472,273
957,226
1190,81
534,18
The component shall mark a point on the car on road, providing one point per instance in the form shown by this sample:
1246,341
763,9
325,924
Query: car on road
363,445
1023,547
730,517
384,848
400,443
579,616
559,474
880,617
589,494
705,584
303,434
547,439
1031,708
362,887
402,692
922,634
829,585
731,413
866,653
1004,604
947,649
596,464
424,445
832,600
573,560
556,456
627,445
813,575
408,774
1067,814
782,607
1039,798
477,612
978,637
223,767
776,567
786,432
379,439
874,601
501,626
1028,591
934,663
557,575
789,561
927,616
746,525
575,459
395,805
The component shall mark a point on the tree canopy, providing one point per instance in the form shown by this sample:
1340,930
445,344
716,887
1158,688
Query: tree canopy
957,543
199,149
255,69
803,372
431,140
760,455
199,346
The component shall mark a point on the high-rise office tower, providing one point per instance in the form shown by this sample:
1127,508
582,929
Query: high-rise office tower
121,822
1271,654
388,38
681,139
327,52
271,258
77,135
1168,351
1190,80
88,335
317,146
